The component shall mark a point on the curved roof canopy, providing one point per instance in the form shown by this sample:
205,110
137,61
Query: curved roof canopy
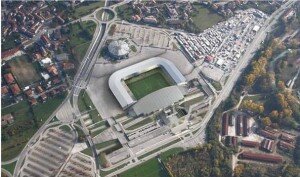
120,91
118,48
158,100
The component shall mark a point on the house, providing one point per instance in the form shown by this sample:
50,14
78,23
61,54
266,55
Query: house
15,89
9,53
39,89
32,101
45,62
43,96
68,65
6,119
52,70
62,57
9,78
4,90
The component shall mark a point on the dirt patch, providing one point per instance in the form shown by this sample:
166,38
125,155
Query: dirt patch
24,71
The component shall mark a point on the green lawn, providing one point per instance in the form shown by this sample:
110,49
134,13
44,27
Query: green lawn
44,110
80,35
87,8
84,102
109,15
106,144
141,123
24,70
80,50
15,136
9,167
203,18
152,167
148,82
88,151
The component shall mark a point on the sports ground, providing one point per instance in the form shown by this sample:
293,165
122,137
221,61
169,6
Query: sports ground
148,82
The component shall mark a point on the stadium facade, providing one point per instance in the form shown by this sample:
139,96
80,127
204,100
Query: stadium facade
155,100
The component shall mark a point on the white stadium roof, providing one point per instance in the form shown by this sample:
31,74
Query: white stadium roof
158,100
118,48
120,91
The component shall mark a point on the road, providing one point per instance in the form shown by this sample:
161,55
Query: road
82,77
83,71
230,82
260,37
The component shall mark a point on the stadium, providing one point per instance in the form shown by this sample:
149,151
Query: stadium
148,86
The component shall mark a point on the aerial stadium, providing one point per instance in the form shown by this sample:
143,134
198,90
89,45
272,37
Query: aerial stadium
147,86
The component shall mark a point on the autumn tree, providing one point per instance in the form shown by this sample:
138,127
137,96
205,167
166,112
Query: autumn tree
266,121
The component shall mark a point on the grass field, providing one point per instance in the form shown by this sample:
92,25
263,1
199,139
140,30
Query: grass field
80,50
87,8
152,167
24,71
44,110
109,14
84,102
147,82
106,144
9,167
80,35
204,18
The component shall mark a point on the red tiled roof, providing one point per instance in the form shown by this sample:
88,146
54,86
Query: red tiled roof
10,52
15,89
9,78
4,90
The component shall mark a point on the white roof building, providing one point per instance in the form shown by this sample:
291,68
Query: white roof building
118,48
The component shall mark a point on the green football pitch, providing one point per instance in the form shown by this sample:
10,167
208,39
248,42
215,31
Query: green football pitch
148,82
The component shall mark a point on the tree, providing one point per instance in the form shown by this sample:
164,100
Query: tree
281,86
266,121
239,169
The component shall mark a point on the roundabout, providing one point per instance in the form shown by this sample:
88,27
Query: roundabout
108,14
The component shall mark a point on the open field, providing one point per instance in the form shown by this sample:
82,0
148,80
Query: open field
80,35
80,51
44,110
152,167
24,71
9,167
84,102
147,82
15,136
204,18
87,8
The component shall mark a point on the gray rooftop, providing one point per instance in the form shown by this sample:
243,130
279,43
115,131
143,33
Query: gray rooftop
158,100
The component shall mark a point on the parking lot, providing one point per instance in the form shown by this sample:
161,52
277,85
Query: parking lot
49,153
143,36
222,46
79,165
